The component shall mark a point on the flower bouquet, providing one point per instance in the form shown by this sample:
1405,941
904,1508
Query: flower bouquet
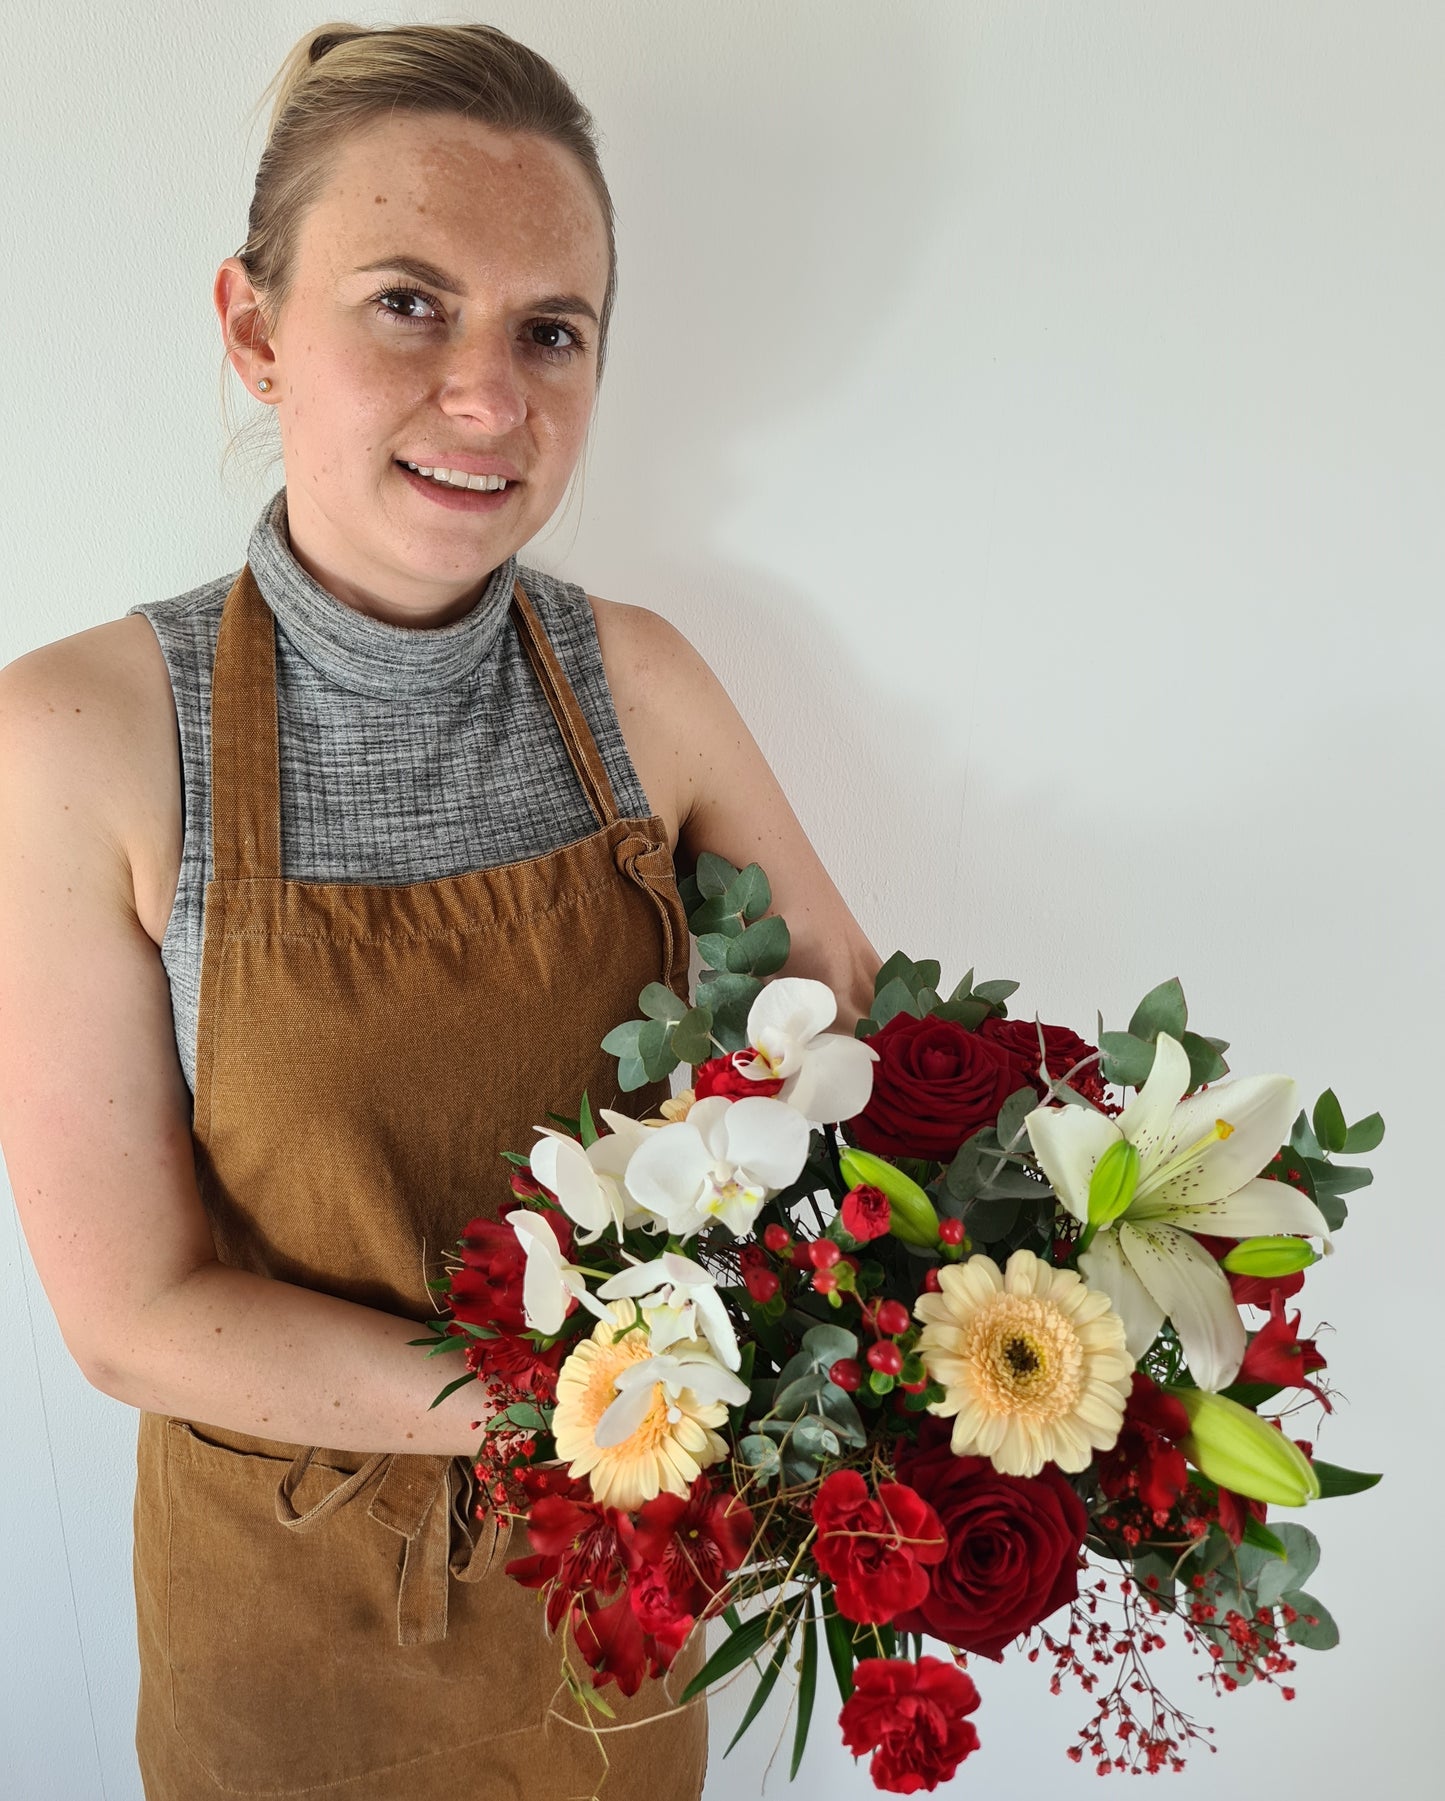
924,1336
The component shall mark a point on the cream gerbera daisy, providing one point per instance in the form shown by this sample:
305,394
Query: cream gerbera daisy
672,1439
1033,1363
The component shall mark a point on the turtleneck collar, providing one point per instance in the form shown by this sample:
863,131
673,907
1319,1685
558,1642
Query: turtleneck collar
368,655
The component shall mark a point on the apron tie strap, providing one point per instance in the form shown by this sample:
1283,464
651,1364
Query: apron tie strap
417,1497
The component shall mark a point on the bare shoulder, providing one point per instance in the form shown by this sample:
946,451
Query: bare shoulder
91,715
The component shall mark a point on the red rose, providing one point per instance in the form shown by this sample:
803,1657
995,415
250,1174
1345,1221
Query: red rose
721,1075
934,1085
1062,1050
1013,1546
911,1717
487,1290
874,1550
867,1212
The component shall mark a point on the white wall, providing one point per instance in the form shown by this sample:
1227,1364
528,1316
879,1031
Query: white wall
1032,411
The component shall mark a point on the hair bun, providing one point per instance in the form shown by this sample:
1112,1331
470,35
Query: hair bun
328,40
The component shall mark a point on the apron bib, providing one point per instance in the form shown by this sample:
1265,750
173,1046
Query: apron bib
333,1623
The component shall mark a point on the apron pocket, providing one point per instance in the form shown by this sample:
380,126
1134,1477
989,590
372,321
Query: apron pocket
282,1650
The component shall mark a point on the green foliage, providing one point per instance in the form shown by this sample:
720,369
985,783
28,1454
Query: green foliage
1317,1137
903,986
1129,1056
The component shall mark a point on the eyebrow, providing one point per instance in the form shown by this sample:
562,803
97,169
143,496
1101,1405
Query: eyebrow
421,270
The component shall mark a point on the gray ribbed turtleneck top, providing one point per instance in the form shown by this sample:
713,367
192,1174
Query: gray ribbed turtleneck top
407,754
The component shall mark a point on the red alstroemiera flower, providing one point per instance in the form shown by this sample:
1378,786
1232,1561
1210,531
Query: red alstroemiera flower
911,1717
875,1550
578,1551
1146,1460
695,1540
1278,1354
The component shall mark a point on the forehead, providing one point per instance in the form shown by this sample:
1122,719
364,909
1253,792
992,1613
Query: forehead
461,194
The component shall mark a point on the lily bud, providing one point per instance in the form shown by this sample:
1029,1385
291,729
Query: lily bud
911,1214
1237,1449
1112,1185
1269,1257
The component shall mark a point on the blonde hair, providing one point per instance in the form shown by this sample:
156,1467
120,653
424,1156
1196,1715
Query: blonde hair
340,77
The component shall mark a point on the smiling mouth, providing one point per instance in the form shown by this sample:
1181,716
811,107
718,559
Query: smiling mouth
458,479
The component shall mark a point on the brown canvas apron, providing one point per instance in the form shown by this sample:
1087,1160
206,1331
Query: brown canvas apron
328,1623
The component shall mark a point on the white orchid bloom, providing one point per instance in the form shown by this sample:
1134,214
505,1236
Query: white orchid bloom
1198,1171
721,1162
680,1300
688,1366
588,1183
549,1279
827,1076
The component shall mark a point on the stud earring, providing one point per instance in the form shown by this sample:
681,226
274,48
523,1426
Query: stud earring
264,385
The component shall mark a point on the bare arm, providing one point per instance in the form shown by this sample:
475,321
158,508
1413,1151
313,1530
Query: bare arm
95,1118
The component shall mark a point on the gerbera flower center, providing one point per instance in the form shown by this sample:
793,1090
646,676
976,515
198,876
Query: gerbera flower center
1025,1357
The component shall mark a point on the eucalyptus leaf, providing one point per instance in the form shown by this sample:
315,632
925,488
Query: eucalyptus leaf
653,1050
692,1036
761,1454
1162,1010
659,1002
1303,1550
749,893
995,993
1329,1122
631,1074
762,949
1126,1059
897,966
1205,1062
621,1041
1324,1635
896,998
1012,1114
716,915
715,875
1364,1135
714,948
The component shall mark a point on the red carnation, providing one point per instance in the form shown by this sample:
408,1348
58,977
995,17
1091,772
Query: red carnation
911,1717
867,1212
1013,1542
875,1550
1062,1050
934,1085
722,1075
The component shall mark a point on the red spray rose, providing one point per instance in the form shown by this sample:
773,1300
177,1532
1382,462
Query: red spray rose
911,1717
1062,1050
867,1212
721,1075
874,1550
934,1085
1013,1546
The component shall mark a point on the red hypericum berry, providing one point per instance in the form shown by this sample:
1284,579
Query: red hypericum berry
950,1231
823,1253
892,1318
847,1374
800,1256
762,1284
931,1283
824,1281
914,1388
777,1238
885,1356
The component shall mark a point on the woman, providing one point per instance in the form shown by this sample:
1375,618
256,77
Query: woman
321,885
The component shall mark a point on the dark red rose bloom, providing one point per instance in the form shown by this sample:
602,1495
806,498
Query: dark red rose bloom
1279,1355
487,1290
1013,1546
1146,1460
911,1717
874,1550
867,1212
578,1552
696,1540
721,1075
934,1085
517,1364
1062,1050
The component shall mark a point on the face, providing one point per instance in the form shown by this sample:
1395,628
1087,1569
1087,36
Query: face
495,363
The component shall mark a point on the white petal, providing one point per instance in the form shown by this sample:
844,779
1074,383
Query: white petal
1259,1208
1068,1142
1258,1110
620,1420
1145,1120
668,1174
1194,1292
787,1013
718,1328
560,1164
706,1119
1103,1267
640,1278
835,1081
766,1140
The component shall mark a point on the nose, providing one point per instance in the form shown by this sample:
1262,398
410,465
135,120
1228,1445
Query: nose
482,382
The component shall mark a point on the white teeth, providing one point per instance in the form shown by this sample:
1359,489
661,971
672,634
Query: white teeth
457,478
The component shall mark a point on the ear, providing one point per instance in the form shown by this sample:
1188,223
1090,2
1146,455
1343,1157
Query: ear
244,328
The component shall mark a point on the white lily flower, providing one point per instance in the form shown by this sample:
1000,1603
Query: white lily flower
549,1279
1199,1164
687,1366
721,1162
827,1076
588,1183
680,1300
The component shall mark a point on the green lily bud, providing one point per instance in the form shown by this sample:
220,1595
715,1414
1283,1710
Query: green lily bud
1112,1185
1270,1257
1237,1449
913,1218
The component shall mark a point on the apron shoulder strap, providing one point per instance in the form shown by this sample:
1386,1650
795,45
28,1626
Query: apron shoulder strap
571,721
